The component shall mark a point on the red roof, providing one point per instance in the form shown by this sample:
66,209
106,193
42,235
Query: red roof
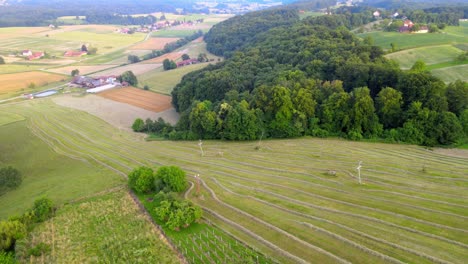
36,55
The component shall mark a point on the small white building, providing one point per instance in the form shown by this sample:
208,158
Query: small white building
26,53
376,13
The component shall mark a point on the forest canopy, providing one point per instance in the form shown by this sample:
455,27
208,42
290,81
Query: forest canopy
312,77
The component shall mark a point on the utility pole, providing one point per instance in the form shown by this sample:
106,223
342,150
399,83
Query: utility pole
359,171
197,177
201,148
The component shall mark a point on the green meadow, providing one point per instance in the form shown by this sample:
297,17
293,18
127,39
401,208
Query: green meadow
451,35
164,81
430,55
46,170
294,200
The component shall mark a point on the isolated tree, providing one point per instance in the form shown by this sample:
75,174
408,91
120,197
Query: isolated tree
138,125
173,177
419,66
133,58
10,178
84,48
202,57
146,87
2,61
141,179
42,209
185,56
169,64
75,72
129,77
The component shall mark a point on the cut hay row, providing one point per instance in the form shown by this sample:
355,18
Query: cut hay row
304,243
290,186
379,240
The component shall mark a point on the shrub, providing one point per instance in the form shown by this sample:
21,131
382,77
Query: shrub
42,209
142,179
10,231
172,177
10,178
7,258
39,249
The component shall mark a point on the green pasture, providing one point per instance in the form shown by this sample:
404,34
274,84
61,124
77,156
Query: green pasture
7,118
293,200
430,55
102,41
172,33
108,228
451,35
47,171
71,20
450,74
164,81
13,67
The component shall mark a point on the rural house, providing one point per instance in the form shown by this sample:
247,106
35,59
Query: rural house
26,53
36,55
187,62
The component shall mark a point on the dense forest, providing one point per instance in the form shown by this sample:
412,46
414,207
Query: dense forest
312,78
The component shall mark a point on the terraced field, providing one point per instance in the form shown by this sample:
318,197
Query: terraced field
295,200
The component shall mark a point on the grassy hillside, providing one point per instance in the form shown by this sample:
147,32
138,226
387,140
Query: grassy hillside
164,81
108,228
430,55
294,199
47,170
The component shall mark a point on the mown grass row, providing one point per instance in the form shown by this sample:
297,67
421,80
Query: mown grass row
282,199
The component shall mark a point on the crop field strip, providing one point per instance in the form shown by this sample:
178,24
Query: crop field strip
402,213
140,98
98,228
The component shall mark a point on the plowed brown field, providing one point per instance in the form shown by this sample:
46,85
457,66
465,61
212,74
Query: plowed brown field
153,44
140,98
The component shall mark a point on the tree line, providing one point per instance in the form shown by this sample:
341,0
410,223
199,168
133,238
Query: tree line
316,78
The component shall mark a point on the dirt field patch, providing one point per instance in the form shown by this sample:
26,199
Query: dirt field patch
83,69
18,81
170,56
118,114
140,98
153,44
